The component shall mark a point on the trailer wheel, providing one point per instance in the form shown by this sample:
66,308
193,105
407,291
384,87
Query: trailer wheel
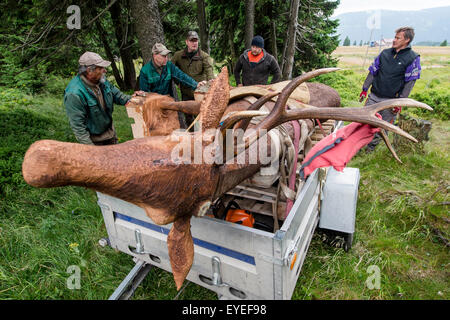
348,240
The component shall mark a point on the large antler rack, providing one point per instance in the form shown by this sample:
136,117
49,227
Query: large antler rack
280,114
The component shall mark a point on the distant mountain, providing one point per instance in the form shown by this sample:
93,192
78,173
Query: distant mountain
430,25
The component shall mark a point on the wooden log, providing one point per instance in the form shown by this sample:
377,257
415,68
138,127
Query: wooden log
418,128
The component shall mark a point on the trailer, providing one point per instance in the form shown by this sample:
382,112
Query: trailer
233,260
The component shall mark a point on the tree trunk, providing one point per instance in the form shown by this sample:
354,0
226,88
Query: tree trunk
230,34
249,22
148,23
273,12
203,29
121,24
109,55
273,39
291,39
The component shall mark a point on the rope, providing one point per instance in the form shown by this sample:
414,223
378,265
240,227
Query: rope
193,122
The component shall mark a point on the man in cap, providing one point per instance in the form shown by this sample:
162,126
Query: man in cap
89,100
256,65
194,62
158,73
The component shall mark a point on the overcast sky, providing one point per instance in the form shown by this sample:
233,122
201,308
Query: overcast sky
364,5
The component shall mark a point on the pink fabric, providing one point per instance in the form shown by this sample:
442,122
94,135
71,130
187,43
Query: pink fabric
354,136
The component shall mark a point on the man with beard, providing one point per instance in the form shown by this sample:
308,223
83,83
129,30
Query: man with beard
89,100
256,64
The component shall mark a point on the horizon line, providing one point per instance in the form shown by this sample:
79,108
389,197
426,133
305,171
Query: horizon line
381,9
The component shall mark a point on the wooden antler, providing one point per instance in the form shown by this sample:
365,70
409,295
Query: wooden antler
366,115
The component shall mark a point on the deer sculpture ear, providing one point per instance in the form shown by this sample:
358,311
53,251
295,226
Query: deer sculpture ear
215,102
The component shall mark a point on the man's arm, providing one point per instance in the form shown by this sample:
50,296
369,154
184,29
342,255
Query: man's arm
237,71
275,70
412,73
77,115
373,72
407,89
183,77
118,96
368,82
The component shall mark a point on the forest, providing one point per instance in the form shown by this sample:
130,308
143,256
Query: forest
44,38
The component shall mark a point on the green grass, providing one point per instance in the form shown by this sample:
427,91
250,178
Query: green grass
398,207
44,231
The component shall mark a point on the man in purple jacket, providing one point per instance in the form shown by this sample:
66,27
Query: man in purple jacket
392,75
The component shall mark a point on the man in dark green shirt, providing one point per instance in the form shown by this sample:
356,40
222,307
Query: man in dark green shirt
89,100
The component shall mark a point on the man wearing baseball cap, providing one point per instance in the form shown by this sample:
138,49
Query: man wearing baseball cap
89,100
256,64
194,62
157,74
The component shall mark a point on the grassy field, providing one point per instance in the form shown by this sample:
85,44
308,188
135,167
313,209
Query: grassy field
402,213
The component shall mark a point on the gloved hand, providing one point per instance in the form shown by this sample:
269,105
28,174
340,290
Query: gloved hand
362,96
396,109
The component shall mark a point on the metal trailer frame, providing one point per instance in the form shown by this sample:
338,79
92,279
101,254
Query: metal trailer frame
235,261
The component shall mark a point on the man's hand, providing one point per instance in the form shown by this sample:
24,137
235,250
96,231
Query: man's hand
139,93
362,96
136,94
201,83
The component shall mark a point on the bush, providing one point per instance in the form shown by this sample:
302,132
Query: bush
56,85
346,82
12,97
11,63
438,99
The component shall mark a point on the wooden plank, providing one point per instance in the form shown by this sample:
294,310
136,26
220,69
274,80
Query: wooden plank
271,192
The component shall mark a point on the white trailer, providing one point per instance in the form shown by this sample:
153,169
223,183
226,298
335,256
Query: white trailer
235,261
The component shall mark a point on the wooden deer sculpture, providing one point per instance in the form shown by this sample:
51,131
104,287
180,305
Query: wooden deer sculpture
147,172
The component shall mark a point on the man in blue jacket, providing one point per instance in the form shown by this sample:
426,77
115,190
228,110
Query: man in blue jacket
158,73
392,75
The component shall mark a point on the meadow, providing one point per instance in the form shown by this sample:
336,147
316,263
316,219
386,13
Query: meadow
402,225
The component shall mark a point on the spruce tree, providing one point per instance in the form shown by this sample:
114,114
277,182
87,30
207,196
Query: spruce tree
346,42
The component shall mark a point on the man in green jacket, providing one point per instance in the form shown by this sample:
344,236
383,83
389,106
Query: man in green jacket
194,62
89,100
158,73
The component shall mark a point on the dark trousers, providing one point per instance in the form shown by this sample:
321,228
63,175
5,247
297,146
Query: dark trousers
386,115
189,118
